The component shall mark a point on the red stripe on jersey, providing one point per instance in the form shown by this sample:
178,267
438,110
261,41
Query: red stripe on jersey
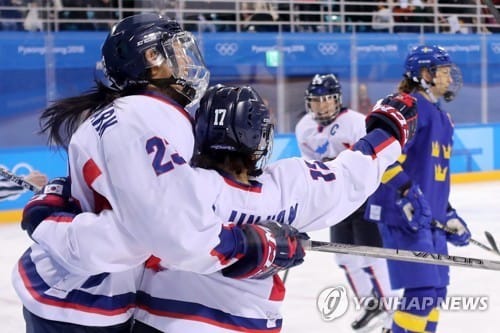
278,290
90,172
222,258
383,145
199,318
153,263
60,218
42,298
254,187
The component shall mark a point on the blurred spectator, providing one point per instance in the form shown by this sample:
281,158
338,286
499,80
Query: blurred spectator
309,15
490,20
357,14
364,102
462,9
285,16
212,15
14,13
104,11
168,8
382,20
411,14
403,17
259,16
457,25
32,21
76,18
424,13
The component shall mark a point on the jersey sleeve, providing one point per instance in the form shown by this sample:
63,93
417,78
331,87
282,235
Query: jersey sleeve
90,243
335,189
149,202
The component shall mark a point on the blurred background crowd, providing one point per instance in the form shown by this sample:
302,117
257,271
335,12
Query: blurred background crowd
421,16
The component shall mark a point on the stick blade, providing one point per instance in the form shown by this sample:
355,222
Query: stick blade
492,241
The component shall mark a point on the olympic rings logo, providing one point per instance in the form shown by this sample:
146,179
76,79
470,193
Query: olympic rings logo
21,169
328,48
226,49
495,47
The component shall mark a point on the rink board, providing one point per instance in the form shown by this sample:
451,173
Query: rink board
476,157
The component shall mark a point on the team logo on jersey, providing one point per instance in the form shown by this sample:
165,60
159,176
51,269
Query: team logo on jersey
332,303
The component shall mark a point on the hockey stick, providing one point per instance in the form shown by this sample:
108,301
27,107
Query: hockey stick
402,255
492,241
18,180
285,276
441,226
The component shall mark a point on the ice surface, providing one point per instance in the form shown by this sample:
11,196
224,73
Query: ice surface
477,203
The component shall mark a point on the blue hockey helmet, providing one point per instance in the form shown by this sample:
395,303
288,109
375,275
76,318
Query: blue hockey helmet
125,64
424,56
321,89
234,119
432,57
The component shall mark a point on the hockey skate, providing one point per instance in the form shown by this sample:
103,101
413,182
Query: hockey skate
373,316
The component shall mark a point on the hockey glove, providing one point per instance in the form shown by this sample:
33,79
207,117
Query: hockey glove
415,209
269,248
52,198
395,114
461,234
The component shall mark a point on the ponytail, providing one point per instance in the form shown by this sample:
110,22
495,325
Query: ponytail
63,117
407,85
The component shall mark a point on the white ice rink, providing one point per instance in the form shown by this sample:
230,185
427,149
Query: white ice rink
477,203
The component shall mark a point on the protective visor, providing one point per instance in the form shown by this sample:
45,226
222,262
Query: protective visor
186,62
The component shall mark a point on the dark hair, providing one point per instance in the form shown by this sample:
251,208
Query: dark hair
63,117
408,86
233,162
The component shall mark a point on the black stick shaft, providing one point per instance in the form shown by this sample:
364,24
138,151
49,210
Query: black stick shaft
18,180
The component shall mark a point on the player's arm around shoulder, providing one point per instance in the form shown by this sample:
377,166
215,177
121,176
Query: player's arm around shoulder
147,180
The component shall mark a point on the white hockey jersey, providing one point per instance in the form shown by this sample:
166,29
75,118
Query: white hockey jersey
131,157
307,194
319,142
289,191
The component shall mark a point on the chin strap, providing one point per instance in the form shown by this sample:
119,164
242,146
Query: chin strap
427,88
183,97
448,96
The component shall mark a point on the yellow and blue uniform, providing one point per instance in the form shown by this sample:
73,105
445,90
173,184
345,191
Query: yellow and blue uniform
425,161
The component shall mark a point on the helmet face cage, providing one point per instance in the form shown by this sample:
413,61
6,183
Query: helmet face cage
323,98
235,119
431,58
265,148
124,60
456,84
186,62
